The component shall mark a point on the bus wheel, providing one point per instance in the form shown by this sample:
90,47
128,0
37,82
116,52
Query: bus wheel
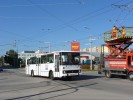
32,73
51,76
69,78
108,74
130,76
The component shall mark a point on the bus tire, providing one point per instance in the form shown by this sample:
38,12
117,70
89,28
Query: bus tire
108,74
51,75
32,73
130,76
69,78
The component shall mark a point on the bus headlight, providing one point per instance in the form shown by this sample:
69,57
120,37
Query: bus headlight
64,72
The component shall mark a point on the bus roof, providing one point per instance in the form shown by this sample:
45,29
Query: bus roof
64,51
40,54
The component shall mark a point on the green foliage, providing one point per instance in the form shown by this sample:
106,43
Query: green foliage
1,60
11,57
11,53
22,63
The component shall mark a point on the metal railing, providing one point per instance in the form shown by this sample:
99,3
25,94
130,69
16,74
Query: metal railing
108,34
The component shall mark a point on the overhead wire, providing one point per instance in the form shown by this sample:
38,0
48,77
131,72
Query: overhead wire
122,8
74,21
38,5
29,18
104,12
90,15
52,15
18,35
125,17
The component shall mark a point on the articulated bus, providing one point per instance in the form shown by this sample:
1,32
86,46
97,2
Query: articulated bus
56,64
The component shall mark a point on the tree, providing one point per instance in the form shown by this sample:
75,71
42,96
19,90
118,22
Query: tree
11,57
1,60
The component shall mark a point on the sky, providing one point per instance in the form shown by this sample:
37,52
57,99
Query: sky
40,24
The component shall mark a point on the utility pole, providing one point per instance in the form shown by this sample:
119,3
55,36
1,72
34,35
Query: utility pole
90,40
14,45
90,52
15,55
49,47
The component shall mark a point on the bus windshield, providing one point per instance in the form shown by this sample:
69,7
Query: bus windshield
70,58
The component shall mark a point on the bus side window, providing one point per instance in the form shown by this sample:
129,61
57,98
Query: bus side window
51,61
43,59
50,58
33,60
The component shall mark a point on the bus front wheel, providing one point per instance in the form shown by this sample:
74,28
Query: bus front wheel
51,76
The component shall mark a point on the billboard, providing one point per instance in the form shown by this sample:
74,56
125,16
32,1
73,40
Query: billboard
75,46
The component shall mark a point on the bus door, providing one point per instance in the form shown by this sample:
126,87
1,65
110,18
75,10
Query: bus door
57,65
27,66
37,66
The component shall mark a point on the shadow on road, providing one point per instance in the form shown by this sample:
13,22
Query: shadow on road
79,78
87,77
53,93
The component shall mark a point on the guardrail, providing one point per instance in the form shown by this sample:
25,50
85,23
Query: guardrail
129,32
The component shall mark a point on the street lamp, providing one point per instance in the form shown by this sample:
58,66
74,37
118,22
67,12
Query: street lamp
90,40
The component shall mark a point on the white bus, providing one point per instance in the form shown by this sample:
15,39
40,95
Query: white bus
56,64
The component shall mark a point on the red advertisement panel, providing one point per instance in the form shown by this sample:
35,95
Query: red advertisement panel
75,46
117,64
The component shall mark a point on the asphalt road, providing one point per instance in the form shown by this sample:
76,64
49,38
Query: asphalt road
15,85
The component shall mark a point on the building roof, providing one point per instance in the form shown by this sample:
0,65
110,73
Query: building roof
28,51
